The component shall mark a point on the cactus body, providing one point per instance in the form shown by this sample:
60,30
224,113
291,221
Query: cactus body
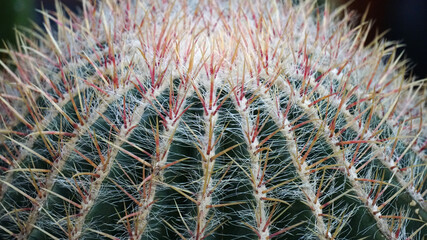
209,120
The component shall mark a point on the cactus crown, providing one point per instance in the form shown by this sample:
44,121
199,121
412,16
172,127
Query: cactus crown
209,120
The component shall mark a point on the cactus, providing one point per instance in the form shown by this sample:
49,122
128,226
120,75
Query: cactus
209,120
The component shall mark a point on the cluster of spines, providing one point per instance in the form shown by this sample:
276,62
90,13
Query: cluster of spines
208,120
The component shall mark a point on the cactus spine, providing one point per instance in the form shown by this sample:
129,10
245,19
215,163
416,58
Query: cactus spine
209,120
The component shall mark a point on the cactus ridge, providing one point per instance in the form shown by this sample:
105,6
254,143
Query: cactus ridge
209,120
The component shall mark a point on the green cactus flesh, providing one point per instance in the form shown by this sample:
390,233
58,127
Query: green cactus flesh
209,120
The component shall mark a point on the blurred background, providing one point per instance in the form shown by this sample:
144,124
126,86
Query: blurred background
406,21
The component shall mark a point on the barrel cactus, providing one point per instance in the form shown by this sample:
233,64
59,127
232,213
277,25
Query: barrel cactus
209,120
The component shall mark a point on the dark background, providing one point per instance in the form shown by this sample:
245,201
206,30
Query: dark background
406,20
